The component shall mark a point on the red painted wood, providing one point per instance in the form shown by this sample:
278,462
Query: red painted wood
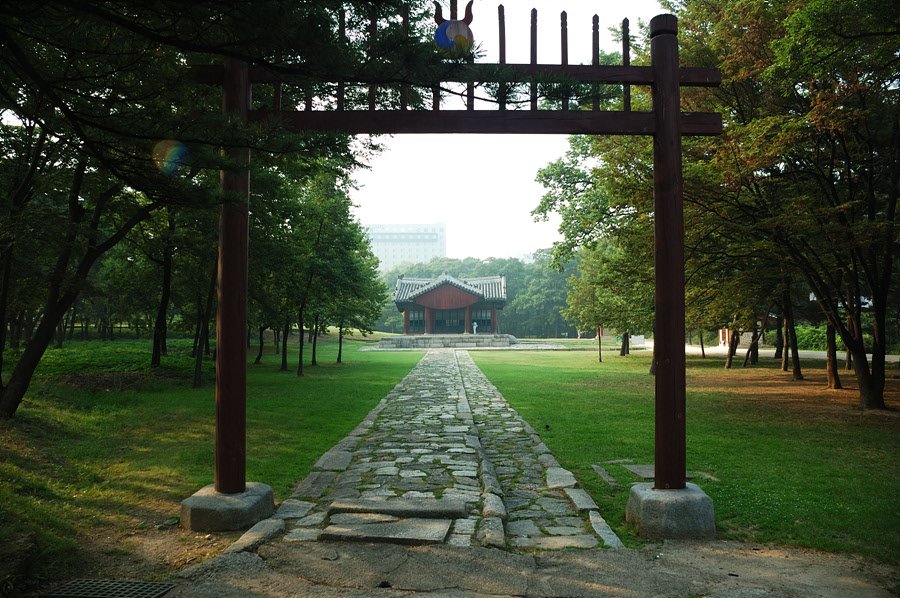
584,73
555,122
231,313
670,448
447,297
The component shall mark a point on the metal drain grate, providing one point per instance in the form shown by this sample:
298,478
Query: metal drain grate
109,588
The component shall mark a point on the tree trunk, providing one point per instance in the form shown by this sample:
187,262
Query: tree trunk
340,342
786,342
276,339
790,333
834,380
732,347
849,359
262,329
625,349
779,339
198,325
60,333
203,332
752,355
284,340
702,348
162,311
300,339
315,340
599,344
5,284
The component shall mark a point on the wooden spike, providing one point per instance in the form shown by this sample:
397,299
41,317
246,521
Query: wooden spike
595,60
534,56
501,91
626,61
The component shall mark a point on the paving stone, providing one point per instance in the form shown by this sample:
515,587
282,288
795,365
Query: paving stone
522,527
557,477
314,485
556,542
303,534
555,530
581,499
360,518
334,460
493,506
402,531
256,535
402,507
291,508
312,519
600,471
490,532
602,529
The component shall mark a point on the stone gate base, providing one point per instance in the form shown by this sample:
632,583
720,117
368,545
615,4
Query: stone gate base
449,341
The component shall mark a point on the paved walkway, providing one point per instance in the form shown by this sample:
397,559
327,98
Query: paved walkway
442,458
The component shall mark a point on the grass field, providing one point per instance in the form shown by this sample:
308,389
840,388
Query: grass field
796,464
101,452
95,463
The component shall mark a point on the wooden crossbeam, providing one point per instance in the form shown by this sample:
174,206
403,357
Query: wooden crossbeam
485,121
508,73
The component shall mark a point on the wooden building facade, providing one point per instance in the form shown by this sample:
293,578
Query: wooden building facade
449,305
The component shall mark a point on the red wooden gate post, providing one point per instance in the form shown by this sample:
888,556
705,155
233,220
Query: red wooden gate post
669,256
231,315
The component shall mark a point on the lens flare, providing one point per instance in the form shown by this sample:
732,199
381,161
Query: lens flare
169,155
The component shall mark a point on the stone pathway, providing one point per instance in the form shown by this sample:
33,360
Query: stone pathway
442,458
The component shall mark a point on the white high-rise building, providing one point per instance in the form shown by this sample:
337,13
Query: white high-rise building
395,244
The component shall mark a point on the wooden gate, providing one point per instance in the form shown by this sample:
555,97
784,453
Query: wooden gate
665,122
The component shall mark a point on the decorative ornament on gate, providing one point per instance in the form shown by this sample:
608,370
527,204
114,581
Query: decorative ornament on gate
453,37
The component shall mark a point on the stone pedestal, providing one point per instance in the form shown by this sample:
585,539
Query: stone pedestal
671,514
211,511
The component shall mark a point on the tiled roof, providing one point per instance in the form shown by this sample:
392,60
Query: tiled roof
489,288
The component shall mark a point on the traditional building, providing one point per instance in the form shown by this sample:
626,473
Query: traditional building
449,305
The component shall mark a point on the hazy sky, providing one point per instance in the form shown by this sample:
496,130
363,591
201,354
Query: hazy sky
482,186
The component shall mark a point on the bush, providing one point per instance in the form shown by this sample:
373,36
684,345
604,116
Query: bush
812,338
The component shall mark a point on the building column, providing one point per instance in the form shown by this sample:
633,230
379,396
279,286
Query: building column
429,321
495,323
467,327
406,321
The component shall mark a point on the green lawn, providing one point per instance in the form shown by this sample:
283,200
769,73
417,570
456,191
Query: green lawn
101,445
104,449
791,471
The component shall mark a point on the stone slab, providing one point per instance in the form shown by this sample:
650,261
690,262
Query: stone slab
671,514
522,527
602,529
401,507
211,511
256,535
490,532
556,542
402,531
493,506
558,477
581,499
646,471
303,534
291,508
360,518
314,485
600,471
334,460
